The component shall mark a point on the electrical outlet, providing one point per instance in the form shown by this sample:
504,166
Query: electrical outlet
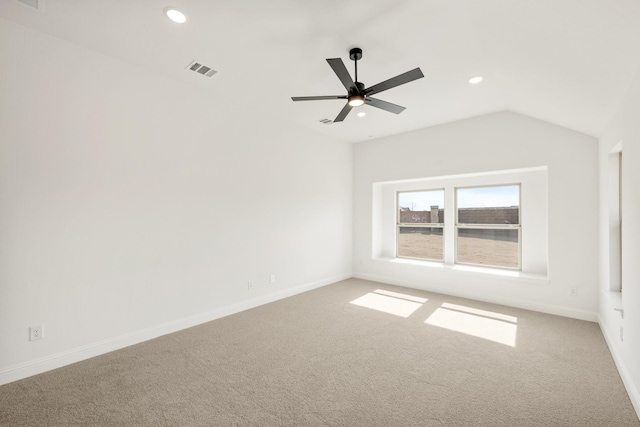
573,291
36,333
272,279
249,285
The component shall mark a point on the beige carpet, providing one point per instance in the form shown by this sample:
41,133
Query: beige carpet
349,354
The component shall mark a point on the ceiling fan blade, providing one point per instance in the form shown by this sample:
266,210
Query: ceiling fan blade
401,79
384,105
317,98
347,108
341,71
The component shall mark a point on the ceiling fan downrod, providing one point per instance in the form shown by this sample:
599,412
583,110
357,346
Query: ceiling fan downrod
355,54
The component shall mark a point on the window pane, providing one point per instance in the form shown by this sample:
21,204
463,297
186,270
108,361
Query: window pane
497,248
488,205
421,207
420,242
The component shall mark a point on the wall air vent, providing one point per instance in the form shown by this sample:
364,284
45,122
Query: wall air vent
201,69
326,121
35,4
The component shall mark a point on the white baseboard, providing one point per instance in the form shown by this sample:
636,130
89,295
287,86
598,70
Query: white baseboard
632,390
58,360
527,305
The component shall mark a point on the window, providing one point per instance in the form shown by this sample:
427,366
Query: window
420,222
403,234
615,219
488,226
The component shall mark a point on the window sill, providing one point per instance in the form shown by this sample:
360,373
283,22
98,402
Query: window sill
533,279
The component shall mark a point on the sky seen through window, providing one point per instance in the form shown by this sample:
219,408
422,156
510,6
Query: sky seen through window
477,197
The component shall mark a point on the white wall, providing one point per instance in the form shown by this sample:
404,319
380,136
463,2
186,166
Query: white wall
132,204
625,129
500,141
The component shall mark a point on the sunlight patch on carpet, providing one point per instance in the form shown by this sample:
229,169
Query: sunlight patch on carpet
478,312
488,325
401,296
402,305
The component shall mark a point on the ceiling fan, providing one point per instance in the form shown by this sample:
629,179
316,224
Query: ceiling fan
357,94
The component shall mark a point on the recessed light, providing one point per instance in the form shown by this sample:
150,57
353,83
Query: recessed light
475,80
175,15
361,114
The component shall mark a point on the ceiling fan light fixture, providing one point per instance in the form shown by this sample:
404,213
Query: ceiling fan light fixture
175,15
356,100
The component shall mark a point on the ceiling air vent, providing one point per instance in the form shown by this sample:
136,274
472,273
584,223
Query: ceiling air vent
201,69
36,4
326,121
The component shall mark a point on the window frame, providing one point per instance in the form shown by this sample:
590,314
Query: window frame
399,224
457,226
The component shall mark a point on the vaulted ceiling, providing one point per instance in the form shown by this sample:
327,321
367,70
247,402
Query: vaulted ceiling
568,62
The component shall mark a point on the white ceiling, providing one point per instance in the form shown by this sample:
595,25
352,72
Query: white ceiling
568,62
